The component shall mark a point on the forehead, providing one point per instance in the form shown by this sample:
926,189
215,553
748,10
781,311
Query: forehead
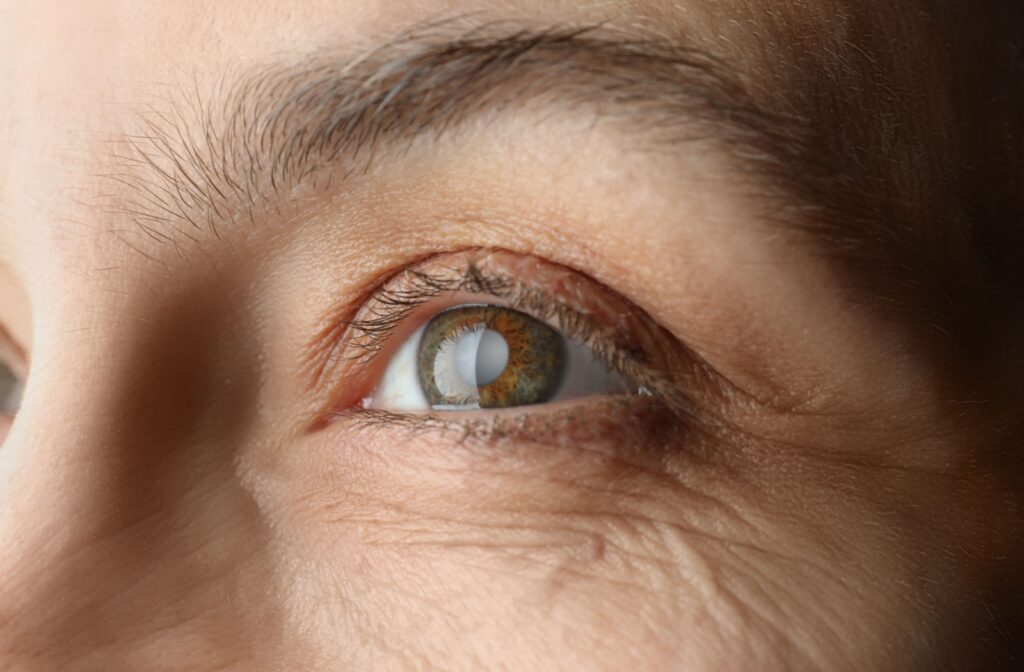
69,70
76,75
96,46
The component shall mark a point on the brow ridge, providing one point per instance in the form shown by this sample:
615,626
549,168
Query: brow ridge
286,123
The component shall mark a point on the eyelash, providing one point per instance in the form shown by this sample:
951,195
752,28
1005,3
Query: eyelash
391,307
356,343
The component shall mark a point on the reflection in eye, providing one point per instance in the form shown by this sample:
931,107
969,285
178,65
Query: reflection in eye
11,389
489,357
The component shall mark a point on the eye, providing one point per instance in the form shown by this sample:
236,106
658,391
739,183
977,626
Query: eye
11,389
492,330
13,372
476,356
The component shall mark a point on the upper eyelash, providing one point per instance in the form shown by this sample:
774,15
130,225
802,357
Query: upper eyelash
391,306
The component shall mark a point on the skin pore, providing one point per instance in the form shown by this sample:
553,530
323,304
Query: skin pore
785,223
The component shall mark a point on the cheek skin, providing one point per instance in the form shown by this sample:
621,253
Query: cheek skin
5,428
543,552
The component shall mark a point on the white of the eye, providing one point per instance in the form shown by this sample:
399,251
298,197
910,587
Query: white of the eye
483,359
586,375
481,355
399,389
11,391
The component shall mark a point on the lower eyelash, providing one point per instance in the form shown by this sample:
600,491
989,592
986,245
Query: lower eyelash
592,423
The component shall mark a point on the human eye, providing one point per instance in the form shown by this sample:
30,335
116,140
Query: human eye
11,389
12,383
491,356
497,337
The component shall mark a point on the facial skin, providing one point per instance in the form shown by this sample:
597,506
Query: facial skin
805,234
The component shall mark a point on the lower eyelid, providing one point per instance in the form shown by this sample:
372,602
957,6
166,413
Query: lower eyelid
594,421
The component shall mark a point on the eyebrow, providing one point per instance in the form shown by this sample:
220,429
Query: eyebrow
199,165
203,164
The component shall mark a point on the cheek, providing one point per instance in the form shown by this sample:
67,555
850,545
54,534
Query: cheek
414,540
5,428
707,553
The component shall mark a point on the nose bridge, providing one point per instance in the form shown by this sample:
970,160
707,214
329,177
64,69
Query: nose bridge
118,474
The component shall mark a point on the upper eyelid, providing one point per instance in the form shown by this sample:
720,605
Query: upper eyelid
370,326
399,303
390,308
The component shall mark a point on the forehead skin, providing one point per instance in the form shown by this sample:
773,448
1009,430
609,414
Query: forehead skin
906,104
914,161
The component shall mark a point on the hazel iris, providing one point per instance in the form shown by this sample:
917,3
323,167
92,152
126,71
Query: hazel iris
489,357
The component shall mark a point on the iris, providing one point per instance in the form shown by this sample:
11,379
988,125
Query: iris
491,357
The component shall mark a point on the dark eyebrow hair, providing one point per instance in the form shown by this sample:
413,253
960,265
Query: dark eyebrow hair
203,164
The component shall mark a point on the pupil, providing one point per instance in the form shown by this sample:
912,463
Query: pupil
491,357
481,356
